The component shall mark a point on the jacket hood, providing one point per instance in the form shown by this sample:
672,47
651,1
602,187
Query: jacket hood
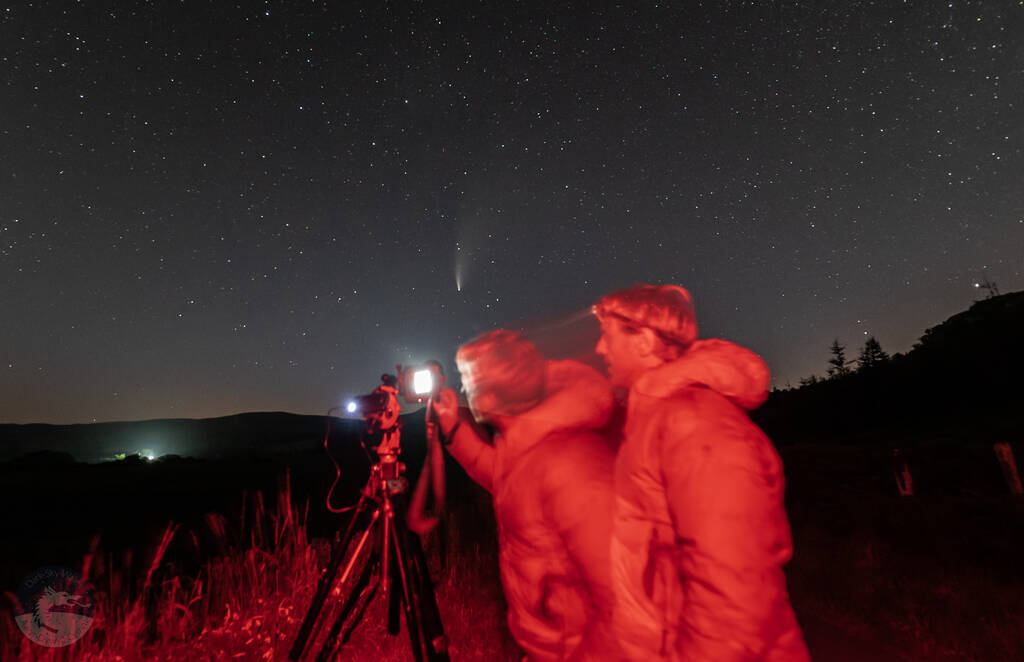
576,397
734,372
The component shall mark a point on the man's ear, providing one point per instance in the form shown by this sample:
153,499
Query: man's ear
645,341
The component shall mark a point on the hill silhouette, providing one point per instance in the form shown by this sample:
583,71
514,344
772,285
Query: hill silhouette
261,434
960,382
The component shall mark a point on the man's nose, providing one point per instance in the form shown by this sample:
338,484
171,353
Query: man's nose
600,346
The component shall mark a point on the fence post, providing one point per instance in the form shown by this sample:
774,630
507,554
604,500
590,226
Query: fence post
1004,453
904,481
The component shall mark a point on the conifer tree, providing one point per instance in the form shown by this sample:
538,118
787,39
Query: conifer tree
808,381
871,354
838,366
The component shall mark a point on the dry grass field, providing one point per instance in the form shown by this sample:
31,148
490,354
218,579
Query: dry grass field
875,576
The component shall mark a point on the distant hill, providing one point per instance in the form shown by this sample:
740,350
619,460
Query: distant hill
963,381
252,434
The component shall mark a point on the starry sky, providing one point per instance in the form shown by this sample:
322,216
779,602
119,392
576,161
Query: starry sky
211,207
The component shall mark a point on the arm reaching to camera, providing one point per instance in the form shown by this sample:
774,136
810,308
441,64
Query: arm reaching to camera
466,440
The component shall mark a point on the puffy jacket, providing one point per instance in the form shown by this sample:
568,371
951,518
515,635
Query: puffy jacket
552,491
700,533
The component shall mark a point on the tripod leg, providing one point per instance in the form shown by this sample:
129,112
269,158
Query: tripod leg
435,641
327,578
362,594
395,602
387,561
401,569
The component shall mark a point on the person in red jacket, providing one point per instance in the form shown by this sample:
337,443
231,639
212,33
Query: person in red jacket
700,533
550,476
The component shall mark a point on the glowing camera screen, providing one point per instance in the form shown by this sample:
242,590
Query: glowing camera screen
422,382
419,383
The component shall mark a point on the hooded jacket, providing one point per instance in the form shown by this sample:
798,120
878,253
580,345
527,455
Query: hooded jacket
551,481
700,532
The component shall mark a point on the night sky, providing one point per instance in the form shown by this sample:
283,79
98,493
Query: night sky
208,207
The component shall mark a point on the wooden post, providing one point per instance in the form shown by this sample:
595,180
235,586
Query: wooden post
904,481
1004,453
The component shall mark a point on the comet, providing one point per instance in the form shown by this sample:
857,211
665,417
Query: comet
458,267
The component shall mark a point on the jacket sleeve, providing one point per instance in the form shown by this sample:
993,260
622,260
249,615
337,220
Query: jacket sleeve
724,491
471,449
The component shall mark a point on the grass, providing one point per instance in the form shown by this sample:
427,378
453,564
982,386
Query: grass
246,602
874,577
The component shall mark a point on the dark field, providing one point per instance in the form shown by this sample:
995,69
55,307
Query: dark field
876,576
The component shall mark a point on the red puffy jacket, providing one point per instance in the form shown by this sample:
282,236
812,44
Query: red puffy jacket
550,475
700,532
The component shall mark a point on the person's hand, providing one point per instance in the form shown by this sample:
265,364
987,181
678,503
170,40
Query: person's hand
446,407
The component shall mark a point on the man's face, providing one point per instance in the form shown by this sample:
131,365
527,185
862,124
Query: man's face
479,405
620,350
480,402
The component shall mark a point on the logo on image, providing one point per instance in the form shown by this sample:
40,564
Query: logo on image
54,607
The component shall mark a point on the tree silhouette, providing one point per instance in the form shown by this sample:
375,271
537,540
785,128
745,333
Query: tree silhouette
808,381
871,354
838,366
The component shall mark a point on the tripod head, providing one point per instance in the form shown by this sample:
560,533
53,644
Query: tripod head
380,408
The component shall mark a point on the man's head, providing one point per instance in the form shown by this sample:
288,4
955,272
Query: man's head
643,327
502,374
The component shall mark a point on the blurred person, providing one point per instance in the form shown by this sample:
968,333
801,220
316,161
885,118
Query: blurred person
550,476
700,533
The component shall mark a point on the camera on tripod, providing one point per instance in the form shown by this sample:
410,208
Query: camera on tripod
378,543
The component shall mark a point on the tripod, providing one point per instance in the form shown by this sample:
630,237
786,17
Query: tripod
395,556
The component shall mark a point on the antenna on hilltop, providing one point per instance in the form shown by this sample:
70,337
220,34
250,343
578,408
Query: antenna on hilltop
988,286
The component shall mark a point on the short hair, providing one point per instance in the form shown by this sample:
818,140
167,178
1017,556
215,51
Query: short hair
665,309
507,365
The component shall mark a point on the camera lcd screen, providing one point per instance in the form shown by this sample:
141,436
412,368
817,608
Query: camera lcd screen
422,382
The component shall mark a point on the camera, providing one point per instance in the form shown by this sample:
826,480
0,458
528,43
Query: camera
416,384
